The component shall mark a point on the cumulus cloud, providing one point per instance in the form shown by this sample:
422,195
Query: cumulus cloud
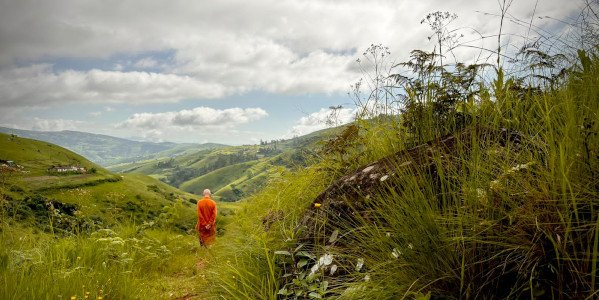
255,63
38,85
199,118
45,124
33,29
222,47
325,117
141,52
40,124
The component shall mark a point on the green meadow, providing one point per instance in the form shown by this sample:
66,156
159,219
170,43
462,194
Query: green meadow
93,235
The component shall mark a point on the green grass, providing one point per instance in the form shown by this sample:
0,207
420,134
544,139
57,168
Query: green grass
217,179
118,236
36,157
127,263
243,263
229,177
494,220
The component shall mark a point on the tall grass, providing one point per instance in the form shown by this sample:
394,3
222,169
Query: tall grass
243,263
495,221
131,262
511,213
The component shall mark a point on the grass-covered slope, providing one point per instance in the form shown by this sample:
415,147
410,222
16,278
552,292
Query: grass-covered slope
98,234
232,173
107,150
215,179
504,206
38,156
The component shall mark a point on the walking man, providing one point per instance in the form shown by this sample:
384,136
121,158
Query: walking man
206,226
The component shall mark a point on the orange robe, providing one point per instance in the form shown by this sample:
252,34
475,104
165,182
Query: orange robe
206,226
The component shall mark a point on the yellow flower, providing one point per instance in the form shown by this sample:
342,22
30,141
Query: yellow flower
74,297
317,205
78,257
100,298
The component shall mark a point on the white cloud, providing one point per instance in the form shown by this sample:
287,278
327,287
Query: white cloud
54,124
325,117
223,47
213,49
163,125
256,63
34,29
101,112
38,85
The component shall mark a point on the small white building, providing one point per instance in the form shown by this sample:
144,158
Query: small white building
67,169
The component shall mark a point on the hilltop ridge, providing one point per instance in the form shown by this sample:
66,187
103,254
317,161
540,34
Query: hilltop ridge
108,150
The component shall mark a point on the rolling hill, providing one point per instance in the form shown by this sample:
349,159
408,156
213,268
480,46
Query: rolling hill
29,183
107,150
89,233
230,172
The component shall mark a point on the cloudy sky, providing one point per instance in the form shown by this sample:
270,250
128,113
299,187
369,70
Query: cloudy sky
223,71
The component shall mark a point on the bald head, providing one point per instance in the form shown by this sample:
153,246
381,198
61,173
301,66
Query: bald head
207,193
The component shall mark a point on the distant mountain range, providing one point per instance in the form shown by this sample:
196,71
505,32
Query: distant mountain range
108,150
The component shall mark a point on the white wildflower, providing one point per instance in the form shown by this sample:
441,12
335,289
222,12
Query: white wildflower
359,264
314,269
396,253
333,269
325,260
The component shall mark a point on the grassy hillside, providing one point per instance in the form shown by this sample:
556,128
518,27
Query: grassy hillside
496,200
37,156
216,179
232,173
95,234
107,150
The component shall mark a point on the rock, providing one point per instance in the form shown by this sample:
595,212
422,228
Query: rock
351,193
